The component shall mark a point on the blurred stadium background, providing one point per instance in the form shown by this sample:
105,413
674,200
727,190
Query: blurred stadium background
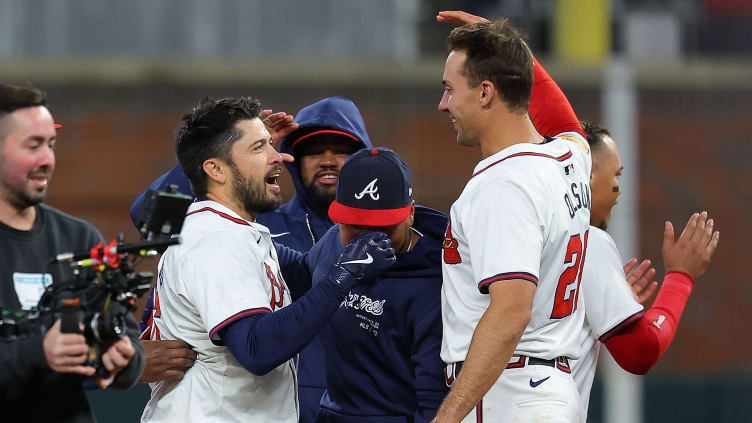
671,79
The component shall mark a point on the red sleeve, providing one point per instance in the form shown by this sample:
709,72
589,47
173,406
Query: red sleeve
638,346
549,108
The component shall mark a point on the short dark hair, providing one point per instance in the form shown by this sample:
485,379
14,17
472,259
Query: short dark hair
496,52
210,131
13,98
594,133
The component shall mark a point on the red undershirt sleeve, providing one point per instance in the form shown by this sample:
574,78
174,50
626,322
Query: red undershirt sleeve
549,108
638,346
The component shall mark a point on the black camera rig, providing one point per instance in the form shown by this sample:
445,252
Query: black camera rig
105,284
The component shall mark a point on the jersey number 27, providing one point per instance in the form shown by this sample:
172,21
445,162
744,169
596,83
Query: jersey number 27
568,288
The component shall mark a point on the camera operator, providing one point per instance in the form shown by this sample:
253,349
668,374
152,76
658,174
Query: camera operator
42,376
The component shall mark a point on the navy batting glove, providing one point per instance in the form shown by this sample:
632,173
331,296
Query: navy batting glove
362,259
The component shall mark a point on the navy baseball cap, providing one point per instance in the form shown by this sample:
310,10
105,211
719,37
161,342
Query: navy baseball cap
374,189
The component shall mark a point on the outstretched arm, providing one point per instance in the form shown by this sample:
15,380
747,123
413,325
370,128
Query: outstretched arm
640,345
264,340
549,108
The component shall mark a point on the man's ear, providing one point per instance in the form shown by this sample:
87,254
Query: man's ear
215,170
487,93
411,216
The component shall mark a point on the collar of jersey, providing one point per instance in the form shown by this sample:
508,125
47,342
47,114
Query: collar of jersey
220,209
523,147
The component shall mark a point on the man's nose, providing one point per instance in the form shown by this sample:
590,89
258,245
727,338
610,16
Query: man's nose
328,158
443,103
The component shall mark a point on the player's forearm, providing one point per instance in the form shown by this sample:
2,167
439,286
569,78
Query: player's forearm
639,346
549,108
262,342
490,350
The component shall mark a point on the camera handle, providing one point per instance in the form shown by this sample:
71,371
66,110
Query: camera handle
70,320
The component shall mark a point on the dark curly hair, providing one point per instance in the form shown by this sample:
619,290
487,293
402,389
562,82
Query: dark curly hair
210,131
594,134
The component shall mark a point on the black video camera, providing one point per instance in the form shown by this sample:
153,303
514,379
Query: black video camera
100,301
105,284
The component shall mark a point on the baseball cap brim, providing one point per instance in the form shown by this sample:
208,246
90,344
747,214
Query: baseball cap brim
326,131
340,213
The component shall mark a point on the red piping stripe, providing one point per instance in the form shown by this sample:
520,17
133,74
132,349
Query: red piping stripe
629,320
237,316
560,158
225,215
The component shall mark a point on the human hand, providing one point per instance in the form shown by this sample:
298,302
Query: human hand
166,360
691,253
458,17
639,279
362,259
115,359
278,124
66,352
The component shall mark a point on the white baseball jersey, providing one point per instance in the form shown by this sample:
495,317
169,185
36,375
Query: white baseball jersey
609,306
224,269
524,214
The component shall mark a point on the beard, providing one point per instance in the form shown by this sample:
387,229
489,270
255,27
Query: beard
19,197
252,195
319,196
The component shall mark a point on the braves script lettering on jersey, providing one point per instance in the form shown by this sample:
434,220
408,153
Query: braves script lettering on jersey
226,268
524,214
609,305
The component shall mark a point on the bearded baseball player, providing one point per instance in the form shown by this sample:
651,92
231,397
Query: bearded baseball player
221,290
613,314
517,238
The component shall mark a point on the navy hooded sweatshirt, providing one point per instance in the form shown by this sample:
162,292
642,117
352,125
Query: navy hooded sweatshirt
382,345
297,224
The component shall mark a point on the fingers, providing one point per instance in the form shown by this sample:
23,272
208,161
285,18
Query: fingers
645,295
668,236
640,271
707,233
287,157
699,229
108,362
117,357
124,348
629,266
174,374
458,17
79,370
103,383
689,228
713,244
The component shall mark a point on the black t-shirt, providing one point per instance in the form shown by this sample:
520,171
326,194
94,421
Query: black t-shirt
24,255
30,391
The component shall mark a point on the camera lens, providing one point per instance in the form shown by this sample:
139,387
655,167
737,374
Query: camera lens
106,328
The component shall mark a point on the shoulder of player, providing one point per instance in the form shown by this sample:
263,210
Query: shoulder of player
209,244
599,238
577,139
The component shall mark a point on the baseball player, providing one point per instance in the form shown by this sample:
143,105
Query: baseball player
323,135
610,306
221,290
381,347
517,238
613,314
